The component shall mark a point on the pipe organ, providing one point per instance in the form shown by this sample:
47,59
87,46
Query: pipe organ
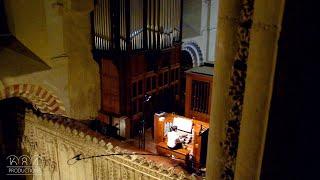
136,24
137,44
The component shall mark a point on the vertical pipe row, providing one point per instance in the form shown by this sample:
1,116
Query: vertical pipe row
95,27
132,23
165,22
202,94
174,19
103,27
178,19
99,23
135,24
124,24
193,96
107,24
158,24
162,23
140,24
198,96
207,97
121,28
148,23
168,22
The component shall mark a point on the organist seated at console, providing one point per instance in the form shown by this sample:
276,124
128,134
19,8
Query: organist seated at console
180,137
174,139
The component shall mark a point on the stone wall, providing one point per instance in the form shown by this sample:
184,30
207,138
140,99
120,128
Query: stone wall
59,33
204,15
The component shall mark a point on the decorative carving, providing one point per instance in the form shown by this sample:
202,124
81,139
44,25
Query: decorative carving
47,137
38,96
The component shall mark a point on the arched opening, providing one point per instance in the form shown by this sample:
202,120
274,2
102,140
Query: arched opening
194,51
41,98
12,112
186,60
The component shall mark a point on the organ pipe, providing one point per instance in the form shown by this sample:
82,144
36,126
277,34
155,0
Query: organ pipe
162,24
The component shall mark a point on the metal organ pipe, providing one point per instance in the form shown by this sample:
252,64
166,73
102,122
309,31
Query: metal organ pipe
207,97
165,21
121,28
162,23
148,23
132,23
103,26
95,27
140,20
99,23
202,94
205,106
107,14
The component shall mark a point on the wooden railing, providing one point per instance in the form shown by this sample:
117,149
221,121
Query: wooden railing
57,139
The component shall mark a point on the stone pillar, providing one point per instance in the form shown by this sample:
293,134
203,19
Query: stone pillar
260,72
226,47
84,83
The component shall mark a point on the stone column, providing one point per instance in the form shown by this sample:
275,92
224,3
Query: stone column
260,72
84,83
226,47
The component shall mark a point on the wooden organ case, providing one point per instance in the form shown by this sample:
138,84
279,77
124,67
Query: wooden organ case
198,92
197,147
137,44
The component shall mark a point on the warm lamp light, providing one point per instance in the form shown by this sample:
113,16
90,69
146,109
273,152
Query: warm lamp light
161,119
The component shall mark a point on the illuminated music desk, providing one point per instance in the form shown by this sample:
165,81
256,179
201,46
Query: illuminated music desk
196,147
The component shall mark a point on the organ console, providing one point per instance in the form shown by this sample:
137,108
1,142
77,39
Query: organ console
137,44
196,129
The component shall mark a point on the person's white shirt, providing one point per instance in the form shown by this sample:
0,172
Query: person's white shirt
173,139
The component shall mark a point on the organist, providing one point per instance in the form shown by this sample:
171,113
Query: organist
181,137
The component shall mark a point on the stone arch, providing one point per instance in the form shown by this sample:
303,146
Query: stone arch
38,96
195,51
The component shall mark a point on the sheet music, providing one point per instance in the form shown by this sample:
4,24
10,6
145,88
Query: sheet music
183,124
